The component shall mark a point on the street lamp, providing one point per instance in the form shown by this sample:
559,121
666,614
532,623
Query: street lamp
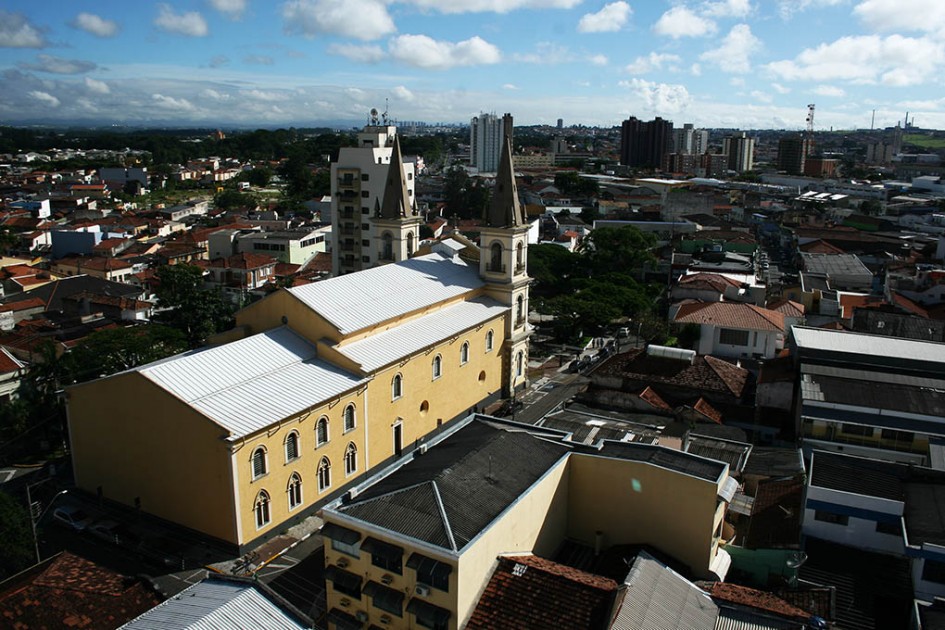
36,519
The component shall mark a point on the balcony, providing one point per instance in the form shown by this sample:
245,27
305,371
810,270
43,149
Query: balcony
495,268
519,269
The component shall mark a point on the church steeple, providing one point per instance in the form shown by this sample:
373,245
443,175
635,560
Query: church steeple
505,210
396,204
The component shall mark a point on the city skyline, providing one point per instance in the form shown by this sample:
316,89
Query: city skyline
715,63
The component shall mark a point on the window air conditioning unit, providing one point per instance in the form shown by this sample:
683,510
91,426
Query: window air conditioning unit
351,494
387,578
344,603
342,562
385,619
361,616
422,589
422,449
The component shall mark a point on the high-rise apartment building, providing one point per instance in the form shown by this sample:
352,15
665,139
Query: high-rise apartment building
740,150
487,133
644,144
358,181
690,141
792,154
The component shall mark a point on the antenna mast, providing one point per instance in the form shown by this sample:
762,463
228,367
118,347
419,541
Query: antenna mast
810,129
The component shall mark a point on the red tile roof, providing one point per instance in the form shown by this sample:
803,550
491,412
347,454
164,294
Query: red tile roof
243,261
707,410
761,600
714,281
528,592
705,374
820,247
9,363
651,397
788,308
731,315
67,591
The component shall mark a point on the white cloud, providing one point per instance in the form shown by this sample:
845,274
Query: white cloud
363,53
598,60
780,89
696,70
190,23
403,93
232,8
763,97
926,16
609,19
214,95
829,90
736,82
99,87
94,25
509,86
17,32
663,98
653,61
734,53
727,8
893,60
425,52
682,22
492,6
45,97
361,19
171,103
262,95
548,53
58,65
787,8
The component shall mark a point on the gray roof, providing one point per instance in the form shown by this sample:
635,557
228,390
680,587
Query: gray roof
735,454
834,264
386,347
744,619
359,300
664,457
655,596
867,345
897,397
247,385
454,491
213,604
858,475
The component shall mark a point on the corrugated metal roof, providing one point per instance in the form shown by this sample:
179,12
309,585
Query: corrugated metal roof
358,300
246,385
387,347
741,619
874,345
214,604
657,597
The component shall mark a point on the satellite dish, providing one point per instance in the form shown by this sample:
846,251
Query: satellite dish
796,559
373,112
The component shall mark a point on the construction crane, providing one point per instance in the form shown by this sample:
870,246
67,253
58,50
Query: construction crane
810,129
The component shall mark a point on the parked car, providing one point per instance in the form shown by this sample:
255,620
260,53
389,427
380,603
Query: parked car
623,333
114,533
73,517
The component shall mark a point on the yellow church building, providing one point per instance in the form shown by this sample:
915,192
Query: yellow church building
318,384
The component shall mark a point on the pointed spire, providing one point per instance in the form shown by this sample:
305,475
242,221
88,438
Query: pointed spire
396,203
505,209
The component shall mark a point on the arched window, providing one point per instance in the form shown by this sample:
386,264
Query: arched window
519,258
261,509
464,353
260,465
520,310
294,490
495,263
437,367
321,431
397,387
291,446
409,243
388,243
490,340
351,459
519,363
324,474
350,421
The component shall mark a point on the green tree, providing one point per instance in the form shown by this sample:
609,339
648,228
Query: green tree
116,349
551,267
259,177
624,250
230,198
16,537
188,307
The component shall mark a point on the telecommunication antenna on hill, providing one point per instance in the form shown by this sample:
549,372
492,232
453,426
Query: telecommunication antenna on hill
810,129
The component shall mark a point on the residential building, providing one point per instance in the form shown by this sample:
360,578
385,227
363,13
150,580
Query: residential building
358,183
418,545
690,141
645,144
792,154
317,386
734,329
487,134
740,150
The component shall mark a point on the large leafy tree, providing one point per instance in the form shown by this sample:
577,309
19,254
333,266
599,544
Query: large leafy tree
16,538
623,250
187,306
117,349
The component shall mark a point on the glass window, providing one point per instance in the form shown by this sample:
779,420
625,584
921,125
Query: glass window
388,247
830,517
933,571
495,263
519,364
464,353
490,339
350,421
321,431
397,387
856,429
352,549
732,337
261,509
295,491
324,474
259,463
351,459
893,529
437,366
291,446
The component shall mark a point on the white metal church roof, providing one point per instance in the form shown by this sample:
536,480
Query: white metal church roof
366,298
246,385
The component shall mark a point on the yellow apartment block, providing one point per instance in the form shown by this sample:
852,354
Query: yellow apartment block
415,548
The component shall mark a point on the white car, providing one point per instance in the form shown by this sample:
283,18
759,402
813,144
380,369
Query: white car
72,516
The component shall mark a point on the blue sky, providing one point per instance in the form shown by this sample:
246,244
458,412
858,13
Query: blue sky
716,63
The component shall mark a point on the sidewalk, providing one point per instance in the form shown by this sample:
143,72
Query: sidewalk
269,550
